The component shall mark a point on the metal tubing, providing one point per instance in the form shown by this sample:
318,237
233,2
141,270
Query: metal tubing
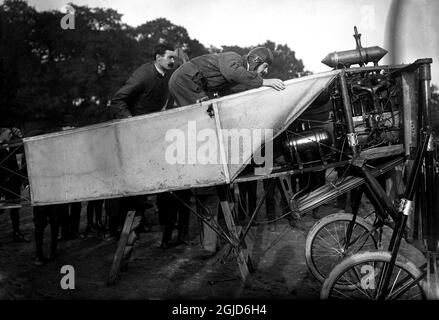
432,218
221,233
429,189
383,200
329,192
350,229
348,109
400,224
424,78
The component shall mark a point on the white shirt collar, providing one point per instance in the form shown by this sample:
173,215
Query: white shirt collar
159,71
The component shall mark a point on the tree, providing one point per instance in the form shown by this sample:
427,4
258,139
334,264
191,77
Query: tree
47,72
16,59
160,30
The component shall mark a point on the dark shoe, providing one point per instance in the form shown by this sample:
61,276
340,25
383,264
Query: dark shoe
78,235
52,256
110,238
90,229
99,226
38,262
19,237
63,237
143,229
206,254
182,243
148,205
165,245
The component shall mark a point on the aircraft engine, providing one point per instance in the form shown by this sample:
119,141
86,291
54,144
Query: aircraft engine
376,110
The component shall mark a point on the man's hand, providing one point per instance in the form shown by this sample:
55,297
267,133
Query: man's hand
274,83
17,132
202,99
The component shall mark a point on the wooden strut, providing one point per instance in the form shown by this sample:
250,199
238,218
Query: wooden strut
232,237
127,238
242,256
244,261
124,248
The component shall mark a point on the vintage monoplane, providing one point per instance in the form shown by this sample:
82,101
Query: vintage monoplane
368,123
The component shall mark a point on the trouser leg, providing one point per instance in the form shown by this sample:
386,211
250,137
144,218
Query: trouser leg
54,229
15,219
162,201
169,226
63,211
14,214
39,235
252,197
98,210
270,188
211,204
40,221
90,214
140,207
168,211
183,215
112,208
75,217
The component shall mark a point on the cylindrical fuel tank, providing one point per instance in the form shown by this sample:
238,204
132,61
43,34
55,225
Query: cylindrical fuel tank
350,57
307,143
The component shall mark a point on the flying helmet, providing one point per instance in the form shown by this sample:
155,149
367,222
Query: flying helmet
258,56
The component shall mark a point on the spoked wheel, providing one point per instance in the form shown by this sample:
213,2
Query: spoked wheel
326,243
363,271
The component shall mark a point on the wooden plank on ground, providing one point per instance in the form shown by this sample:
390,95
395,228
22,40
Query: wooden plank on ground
115,267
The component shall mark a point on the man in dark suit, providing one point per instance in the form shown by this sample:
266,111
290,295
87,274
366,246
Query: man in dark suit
145,91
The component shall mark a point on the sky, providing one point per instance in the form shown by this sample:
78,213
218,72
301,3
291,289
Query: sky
312,28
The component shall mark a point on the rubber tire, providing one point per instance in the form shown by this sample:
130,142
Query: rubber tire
317,227
362,257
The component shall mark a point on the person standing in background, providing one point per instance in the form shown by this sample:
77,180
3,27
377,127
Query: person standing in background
10,179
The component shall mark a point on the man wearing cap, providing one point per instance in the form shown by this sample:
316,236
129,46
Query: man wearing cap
223,73
201,77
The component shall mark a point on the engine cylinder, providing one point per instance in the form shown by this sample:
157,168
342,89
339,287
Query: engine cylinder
308,145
